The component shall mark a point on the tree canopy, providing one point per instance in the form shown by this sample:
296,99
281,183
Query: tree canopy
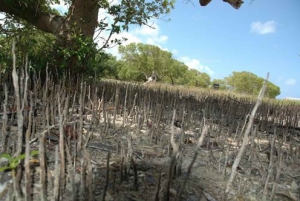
142,61
145,59
249,83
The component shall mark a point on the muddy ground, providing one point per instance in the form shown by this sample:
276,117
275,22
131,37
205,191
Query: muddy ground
256,179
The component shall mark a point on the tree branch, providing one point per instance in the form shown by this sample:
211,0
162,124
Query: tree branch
34,15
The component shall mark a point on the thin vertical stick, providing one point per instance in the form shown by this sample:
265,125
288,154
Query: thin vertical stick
107,177
27,157
135,183
17,174
133,105
173,157
61,143
4,122
18,103
82,179
43,196
26,85
199,143
125,113
245,139
45,106
71,170
270,169
57,175
116,105
82,97
89,179
277,173
104,112
156,198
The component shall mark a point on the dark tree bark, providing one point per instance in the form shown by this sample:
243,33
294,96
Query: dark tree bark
83,12
33,14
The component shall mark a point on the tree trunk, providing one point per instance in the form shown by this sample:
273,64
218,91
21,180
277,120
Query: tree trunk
81,23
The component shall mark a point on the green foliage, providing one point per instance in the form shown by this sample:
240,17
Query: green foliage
32,42
272,90
193,77
175,72
197,79
130,74
13,162
106,66
141,60
137,12
72,47
249,83
81,49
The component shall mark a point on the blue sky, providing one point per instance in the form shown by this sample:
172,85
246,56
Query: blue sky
262,36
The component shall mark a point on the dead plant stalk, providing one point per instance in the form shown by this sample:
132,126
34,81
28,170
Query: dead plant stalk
246,137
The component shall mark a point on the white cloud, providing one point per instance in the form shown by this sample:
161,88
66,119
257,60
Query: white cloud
157,40
174,51
139,34
130,39
147,30
263,28
61,7
151,35
291,81
195,64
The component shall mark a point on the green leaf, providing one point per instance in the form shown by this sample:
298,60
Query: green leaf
20,157
2,169
6,156
34,152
